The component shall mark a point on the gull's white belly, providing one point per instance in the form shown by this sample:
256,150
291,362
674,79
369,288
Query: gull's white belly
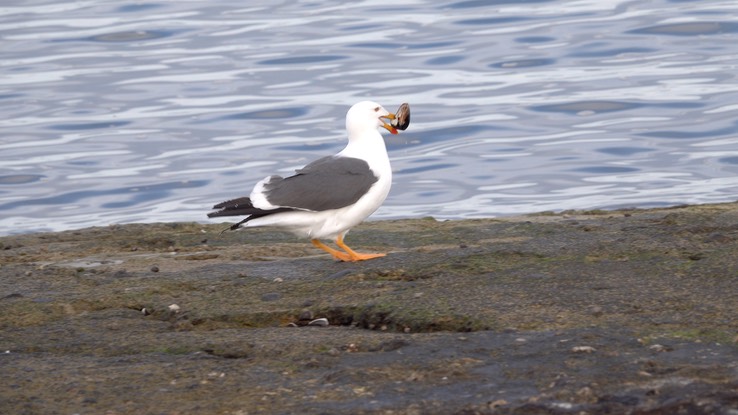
333,222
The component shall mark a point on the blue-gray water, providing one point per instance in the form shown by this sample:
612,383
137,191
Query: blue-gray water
116,112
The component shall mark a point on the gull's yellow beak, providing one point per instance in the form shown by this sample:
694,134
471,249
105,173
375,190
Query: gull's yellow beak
389,127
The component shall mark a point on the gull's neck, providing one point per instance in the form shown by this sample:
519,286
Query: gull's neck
367,145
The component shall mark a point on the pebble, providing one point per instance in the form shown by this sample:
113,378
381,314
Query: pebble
696,256
659,348
319,322
306,318
174,307
496,404
154,268
586,393
583,349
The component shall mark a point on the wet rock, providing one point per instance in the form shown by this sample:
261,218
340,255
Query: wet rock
719,238
305,315
271,297
561,291
13,295
197,257
340,274
122,274
390,346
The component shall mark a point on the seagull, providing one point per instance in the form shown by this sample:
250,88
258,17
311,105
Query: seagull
329,196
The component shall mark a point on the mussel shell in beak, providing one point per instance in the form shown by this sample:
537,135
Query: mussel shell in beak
402,117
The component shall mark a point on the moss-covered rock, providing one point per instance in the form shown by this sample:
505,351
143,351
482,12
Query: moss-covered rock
554,313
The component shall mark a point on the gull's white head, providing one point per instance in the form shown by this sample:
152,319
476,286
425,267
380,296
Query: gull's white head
367,116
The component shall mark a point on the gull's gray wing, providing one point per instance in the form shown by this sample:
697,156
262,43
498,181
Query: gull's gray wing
327,183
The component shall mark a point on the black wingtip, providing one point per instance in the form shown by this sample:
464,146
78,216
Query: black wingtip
234,226
235,207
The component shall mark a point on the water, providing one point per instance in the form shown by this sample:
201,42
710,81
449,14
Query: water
116,112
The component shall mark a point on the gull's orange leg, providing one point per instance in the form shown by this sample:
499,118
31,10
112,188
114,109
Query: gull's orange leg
341,256
353,255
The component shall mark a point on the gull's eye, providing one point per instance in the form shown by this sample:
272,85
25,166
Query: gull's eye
376,109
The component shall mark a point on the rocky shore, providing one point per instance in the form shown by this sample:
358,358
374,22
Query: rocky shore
630,311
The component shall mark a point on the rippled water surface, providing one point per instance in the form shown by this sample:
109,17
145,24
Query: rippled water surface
116,112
